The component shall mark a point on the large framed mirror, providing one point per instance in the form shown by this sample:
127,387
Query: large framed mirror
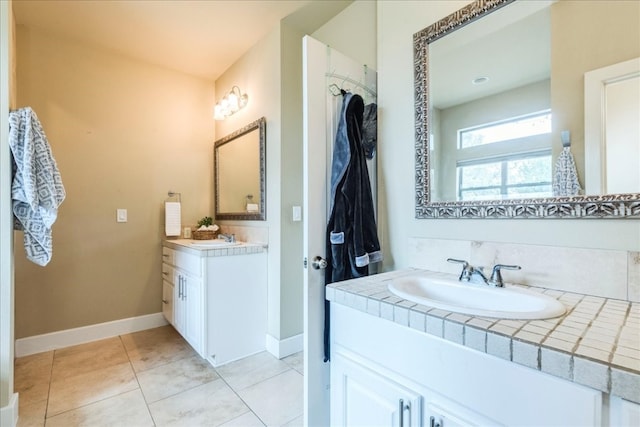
500,91
240,173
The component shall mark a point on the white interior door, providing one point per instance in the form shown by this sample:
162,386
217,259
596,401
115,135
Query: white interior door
316,372
322,66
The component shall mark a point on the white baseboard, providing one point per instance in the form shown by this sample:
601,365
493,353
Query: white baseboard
285,347
84,334
9,413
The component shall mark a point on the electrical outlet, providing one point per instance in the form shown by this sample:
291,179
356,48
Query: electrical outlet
121,215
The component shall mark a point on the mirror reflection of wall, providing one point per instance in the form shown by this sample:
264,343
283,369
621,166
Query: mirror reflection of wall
508,70
612,128
239,170
240,166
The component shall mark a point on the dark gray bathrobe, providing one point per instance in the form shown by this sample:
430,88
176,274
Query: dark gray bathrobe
352,237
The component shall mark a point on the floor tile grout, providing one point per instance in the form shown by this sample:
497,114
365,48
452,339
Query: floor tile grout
190,384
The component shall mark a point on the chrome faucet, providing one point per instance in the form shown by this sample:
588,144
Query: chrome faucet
476,274
229,238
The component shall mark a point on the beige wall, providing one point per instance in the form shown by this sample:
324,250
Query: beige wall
587,36
397,22
123,133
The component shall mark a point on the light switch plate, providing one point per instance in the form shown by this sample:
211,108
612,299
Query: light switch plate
297,213
121,215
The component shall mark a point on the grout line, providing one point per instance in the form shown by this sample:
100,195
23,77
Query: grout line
289,367
241,399
135,374
46,408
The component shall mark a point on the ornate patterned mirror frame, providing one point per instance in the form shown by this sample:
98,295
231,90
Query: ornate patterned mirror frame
259,125
597,206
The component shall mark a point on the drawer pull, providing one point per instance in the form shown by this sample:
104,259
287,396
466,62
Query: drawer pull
165,255
164,301
165,273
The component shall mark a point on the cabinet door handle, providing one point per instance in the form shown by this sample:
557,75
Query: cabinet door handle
184,289
180,287
164,301
434,423
401,408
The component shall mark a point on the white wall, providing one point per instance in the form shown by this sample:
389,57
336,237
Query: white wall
397,22
257,73
353,32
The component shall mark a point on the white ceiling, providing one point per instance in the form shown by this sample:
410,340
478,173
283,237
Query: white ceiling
202,37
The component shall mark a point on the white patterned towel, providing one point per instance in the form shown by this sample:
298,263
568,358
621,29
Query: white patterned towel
565,178
37,189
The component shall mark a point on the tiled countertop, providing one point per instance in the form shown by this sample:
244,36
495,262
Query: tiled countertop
596,343
242,248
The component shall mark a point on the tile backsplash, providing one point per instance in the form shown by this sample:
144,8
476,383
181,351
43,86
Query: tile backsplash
249,234
604,273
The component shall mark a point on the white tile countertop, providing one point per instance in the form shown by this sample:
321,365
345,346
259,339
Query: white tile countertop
596,343
241,248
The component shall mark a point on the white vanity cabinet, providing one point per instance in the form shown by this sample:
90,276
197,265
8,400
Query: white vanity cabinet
236,306
216,299
364,397
376,362
183,295
167,301
188,310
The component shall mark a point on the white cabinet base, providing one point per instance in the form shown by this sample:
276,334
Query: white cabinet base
236,307
457,384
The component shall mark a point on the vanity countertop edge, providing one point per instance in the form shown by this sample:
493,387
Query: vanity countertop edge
596,343
242,248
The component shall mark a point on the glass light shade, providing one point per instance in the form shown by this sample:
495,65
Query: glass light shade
217,112
231,103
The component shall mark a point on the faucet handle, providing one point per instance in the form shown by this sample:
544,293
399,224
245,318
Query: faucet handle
467,270
496,276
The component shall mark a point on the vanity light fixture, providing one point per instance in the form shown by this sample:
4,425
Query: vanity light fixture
230,104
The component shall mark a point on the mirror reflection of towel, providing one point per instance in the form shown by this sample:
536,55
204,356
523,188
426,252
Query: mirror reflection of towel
565,177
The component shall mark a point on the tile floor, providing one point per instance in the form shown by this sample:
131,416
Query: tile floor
154,378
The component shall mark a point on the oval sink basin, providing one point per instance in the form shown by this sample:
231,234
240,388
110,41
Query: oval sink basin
212,244
476,299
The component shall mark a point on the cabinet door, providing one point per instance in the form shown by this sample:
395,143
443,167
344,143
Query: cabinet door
192,294
178,302
167,301
442,412
363,397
